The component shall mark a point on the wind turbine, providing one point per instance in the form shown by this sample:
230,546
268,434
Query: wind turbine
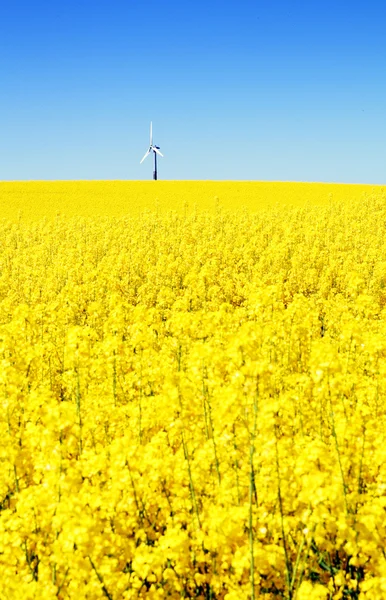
152,148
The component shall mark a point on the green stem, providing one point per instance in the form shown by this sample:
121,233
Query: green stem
104,589
252,495
191,485
78,410
334,435
279,494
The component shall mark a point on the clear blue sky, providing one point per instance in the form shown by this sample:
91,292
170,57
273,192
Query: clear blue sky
248,90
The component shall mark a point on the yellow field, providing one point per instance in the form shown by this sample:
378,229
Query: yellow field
192,402
39,199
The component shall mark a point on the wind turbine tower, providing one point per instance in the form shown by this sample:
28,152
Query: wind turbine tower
155,149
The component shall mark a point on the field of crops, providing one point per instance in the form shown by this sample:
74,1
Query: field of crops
31,200
192,400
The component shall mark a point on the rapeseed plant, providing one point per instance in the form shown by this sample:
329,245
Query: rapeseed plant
193,404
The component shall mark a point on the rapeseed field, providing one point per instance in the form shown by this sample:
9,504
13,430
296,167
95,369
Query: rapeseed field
33,200
193,386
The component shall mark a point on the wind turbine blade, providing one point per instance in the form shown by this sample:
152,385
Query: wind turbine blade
147,154
151,133
156,150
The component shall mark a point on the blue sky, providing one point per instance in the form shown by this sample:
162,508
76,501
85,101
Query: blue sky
245,90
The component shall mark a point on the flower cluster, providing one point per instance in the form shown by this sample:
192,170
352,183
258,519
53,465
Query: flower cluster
193,404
